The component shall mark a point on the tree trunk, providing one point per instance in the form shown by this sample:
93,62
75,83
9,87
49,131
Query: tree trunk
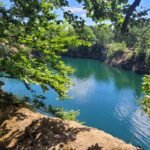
128,15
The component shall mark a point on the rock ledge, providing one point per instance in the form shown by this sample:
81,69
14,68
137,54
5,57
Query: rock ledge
27,130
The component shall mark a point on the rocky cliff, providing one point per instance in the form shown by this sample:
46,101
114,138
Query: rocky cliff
126,61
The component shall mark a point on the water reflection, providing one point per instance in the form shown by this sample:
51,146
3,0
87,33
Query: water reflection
104,73
82,89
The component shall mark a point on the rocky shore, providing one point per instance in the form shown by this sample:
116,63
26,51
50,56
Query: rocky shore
124,61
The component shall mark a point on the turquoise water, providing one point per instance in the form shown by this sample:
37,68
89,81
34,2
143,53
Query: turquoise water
107,98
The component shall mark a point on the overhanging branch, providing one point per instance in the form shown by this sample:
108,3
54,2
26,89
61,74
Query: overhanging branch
128,15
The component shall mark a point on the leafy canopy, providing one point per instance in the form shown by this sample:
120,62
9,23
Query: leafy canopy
31,44
32,40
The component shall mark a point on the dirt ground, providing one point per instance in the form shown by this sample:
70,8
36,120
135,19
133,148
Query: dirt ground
27,130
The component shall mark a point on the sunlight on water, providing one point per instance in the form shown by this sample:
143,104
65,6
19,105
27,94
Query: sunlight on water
81,89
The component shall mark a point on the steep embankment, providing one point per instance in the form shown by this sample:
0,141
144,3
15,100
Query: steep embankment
29,130
127,60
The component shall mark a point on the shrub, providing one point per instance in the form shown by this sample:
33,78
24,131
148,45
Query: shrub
147,59
116,48
146,100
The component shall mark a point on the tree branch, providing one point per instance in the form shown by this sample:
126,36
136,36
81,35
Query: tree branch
5,76
128,15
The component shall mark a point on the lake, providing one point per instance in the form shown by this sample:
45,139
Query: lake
108,99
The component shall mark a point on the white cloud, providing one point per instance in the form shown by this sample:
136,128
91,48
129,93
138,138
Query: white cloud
75,9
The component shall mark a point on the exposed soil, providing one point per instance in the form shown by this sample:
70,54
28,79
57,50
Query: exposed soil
27,130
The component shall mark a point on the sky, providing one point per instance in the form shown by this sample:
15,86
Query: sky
77,9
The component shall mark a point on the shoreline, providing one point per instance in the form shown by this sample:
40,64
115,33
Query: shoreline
121,60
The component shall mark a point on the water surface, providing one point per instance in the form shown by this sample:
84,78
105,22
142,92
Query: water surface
108,99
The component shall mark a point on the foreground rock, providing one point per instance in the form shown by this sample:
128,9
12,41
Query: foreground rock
27,130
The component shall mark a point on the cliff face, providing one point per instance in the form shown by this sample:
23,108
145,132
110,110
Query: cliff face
27,130
121,60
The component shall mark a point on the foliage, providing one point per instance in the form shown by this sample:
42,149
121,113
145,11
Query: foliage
30,33
101,10
31,43
116,48
119,12
146,104
88,35
104,34
143,43
60,113
32,37
9,99
146,100
97,35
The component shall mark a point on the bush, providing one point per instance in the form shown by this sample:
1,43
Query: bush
147,59
146,100
146,104
64,114
116,48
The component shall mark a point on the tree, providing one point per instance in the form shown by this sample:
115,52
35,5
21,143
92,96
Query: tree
119,12
88,35
31,42
104,34
130,11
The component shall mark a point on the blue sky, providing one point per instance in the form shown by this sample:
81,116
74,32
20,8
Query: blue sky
73,3
77,9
